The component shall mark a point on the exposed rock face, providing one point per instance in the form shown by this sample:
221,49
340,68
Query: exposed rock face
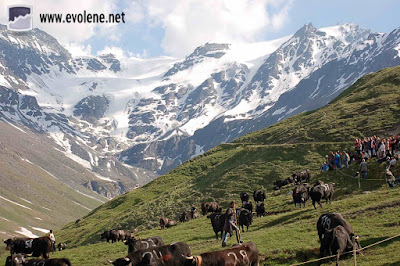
110,113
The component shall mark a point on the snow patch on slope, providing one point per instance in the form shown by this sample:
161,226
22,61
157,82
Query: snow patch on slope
26,232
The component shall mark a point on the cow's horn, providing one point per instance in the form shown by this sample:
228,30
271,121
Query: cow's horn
109,261
188,258
127,259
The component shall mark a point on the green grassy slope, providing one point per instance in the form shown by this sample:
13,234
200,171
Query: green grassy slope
290,236
371,106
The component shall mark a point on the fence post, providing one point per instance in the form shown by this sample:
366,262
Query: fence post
354,250
359,182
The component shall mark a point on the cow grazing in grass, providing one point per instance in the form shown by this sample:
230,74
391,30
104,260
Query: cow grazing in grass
304,175
115,235
187,216
259,195
20,260
336,241
260,209
40,246
245,218
167,223
278,184
61,246
217,222
138,244
207,207
244,196
322,191
328,221
169,255
240,255
301,194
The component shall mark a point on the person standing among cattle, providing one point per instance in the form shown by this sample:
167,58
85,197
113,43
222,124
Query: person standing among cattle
345,159
337,161
363,169
53,240
192,211
230,223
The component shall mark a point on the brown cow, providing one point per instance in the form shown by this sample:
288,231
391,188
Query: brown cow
166,223
40,246
300,194
169,255
320,190
20,260
336,241
207,207
240,255
137,244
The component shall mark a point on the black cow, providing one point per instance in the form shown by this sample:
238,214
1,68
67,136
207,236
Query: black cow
137,244
37,246
247,205
184,217
260,209
283,182
322,191
336,241
244,196
304,175
245,218
115,235
217,222
259,195
20,260
329,221
207,207
169,255
187,216
300,194
166,223
61,246
109,235
124,234
245,254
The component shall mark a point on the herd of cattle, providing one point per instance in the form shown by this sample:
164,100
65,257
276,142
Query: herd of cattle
335,234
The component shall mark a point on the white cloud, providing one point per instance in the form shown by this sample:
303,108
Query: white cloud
190,23
78,49
117,51
120,53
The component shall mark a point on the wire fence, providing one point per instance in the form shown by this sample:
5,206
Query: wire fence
353,251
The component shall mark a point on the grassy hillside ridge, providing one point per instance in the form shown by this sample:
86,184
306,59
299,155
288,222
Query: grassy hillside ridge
291,236
255,161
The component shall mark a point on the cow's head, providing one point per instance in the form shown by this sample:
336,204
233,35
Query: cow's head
9,243
121,262
130,241
104,235
193,261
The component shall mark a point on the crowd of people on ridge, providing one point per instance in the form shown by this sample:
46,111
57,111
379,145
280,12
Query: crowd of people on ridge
383,149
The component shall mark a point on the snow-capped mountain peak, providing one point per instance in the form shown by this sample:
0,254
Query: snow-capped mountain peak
156,113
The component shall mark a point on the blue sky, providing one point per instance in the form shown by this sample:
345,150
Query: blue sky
176,27
379,16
